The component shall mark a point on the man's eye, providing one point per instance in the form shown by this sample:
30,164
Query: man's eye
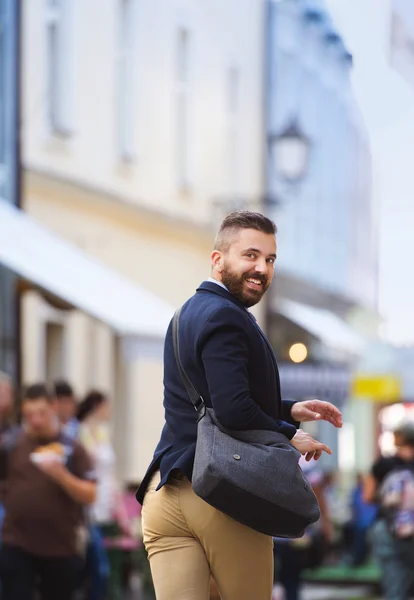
250,255
271,261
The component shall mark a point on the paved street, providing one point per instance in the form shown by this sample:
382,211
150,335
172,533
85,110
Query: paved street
326,592
314,592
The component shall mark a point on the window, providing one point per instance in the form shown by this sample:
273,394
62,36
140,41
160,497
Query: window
125,75
54,348
60,65
233,101
182,108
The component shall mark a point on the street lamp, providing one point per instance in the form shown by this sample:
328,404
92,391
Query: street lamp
290,152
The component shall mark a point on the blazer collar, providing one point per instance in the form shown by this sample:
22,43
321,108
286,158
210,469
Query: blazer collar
209,286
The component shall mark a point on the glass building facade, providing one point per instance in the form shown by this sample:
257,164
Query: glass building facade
9,174
327,225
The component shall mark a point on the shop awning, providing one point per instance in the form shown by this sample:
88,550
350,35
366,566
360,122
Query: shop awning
323,324
48,261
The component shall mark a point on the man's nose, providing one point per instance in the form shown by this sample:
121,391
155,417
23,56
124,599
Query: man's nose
261,266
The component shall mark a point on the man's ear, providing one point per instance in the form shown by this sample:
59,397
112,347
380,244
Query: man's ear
217,260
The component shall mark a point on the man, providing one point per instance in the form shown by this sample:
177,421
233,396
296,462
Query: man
6,406
66,406
229,360
48,479
97,567
6,401
395,556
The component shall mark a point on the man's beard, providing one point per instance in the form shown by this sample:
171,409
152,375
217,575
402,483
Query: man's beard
236,284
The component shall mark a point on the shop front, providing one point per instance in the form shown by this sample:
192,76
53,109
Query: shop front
91,325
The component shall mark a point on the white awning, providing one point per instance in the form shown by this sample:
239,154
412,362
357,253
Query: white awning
323,324
45,259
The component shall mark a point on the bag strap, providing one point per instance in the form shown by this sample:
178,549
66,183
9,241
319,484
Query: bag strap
195,396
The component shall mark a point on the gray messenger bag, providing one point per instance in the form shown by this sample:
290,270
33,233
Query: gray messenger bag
252,476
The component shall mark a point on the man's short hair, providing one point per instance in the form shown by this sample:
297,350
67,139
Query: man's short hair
405,431
242,219
35,392
63,388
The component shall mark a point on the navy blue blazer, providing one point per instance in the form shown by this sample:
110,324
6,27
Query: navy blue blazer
232,365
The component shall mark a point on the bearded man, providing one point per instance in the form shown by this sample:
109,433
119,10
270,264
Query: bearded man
232,365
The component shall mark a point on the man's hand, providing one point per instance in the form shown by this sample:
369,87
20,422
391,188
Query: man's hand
316,410
80,490
305,443
54,468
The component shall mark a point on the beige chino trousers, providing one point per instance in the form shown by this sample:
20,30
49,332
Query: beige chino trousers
187,540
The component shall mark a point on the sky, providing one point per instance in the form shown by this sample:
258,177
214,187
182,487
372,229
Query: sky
386,101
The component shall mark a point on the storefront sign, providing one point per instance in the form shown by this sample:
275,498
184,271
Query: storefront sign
382,388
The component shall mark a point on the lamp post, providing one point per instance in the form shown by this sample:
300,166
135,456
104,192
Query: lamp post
290,153
288,159
288,150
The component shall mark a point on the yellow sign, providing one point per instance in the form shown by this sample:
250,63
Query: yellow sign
382,388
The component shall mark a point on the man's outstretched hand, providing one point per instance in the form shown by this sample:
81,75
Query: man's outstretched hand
316,410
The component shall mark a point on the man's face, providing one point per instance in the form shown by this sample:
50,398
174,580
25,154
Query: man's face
39,417
247,268
66,408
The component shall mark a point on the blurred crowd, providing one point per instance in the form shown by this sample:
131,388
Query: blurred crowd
341,536
368,525
106,529
91,515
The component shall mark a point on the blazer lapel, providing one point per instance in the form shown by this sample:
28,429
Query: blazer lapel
209,286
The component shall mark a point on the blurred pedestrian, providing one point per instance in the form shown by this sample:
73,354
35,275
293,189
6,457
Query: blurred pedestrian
66,406
292,557
6,406
395,553
108,515
363,517
49,479
232,365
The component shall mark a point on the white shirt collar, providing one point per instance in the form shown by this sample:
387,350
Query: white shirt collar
212,280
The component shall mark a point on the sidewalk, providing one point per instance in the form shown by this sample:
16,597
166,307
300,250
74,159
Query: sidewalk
331,592
327,592
364,575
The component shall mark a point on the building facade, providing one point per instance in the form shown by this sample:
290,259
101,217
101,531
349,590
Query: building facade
326,295
135,145
128,142
9,175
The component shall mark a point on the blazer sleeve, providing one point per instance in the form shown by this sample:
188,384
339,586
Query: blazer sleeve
224,346
287,412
